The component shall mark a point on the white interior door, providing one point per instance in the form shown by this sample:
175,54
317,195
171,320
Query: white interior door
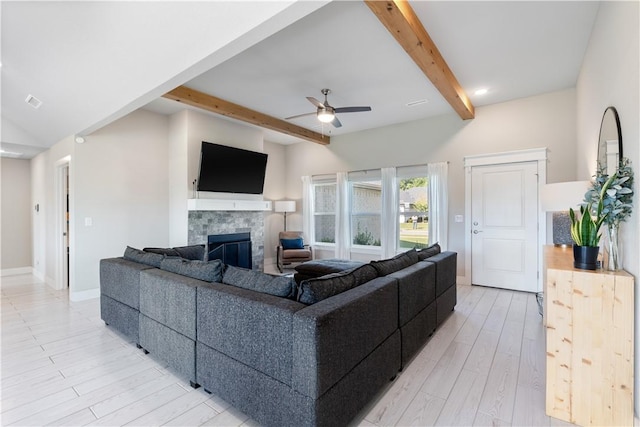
504,226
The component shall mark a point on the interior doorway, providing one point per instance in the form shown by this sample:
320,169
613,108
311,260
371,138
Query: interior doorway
65,226
63,213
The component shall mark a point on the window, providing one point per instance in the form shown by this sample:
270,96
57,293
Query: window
413,209
366,208
362,231
325,212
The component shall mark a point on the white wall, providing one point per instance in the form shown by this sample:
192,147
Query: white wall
274,189
118,179
15,234
178,175
547,120
610,76
122,184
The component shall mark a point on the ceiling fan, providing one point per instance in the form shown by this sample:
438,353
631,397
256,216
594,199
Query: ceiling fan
326,113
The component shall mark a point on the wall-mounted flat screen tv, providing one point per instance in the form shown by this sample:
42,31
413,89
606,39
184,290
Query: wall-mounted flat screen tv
231,170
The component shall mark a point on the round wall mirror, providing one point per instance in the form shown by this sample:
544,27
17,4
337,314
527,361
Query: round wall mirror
610,142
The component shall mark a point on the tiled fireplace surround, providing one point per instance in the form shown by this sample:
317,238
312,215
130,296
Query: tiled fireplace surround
204,223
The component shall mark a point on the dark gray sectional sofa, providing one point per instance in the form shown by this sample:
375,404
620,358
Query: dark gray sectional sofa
314,357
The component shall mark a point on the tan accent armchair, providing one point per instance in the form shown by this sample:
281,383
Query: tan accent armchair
288,256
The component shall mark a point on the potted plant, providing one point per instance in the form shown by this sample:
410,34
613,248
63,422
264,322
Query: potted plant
585,230
617,204
585,234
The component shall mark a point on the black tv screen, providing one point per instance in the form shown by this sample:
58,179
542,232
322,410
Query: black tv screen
231,170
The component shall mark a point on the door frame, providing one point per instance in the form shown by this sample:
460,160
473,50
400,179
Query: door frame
62,170
532,155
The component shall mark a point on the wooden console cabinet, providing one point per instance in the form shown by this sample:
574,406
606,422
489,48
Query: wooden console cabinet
589,321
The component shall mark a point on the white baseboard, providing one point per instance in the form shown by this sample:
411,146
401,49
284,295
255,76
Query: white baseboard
16,271
50,282
84,295
462,280
38,274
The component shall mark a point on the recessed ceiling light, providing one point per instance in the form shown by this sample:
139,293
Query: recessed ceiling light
418,102
482,91
33,101
80,139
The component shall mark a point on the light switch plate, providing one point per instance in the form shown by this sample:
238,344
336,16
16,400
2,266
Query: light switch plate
458,218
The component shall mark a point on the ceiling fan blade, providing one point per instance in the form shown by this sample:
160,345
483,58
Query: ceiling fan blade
300,115
315,102
335,122
352,109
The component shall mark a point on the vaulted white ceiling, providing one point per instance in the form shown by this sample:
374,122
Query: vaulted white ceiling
91,62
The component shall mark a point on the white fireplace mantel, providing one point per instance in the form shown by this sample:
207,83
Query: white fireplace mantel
228,205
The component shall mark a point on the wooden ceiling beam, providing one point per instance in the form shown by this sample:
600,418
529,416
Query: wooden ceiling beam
220,106
401,21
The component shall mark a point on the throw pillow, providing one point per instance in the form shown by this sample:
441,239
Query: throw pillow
280,286
429,252
163,251
148,258
206,271
397,263
195,252
312,291
292,243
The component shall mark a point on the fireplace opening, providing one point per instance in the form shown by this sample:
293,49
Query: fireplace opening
232,249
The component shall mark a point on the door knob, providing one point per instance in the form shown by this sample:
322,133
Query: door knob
477,231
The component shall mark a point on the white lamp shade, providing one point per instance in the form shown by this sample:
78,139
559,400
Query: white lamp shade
285,206
325,116
561,196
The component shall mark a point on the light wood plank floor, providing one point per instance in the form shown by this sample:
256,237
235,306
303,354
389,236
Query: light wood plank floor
62,366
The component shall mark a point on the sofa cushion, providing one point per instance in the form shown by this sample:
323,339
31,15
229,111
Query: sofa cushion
398,262
280,286
194,252
207,271
429,252
163,251
312,291
320,267
148,258
292,243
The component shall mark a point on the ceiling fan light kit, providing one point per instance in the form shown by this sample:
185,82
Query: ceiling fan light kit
326,113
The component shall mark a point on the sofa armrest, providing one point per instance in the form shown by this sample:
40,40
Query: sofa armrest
332,336
120,280
416,289
446,270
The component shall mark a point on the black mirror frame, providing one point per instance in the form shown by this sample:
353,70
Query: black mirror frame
619,130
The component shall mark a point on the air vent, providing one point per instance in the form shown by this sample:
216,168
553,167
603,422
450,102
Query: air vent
418,102
33,101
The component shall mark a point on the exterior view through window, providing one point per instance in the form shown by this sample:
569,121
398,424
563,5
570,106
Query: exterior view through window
413,213
365,212
366,209
325,213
